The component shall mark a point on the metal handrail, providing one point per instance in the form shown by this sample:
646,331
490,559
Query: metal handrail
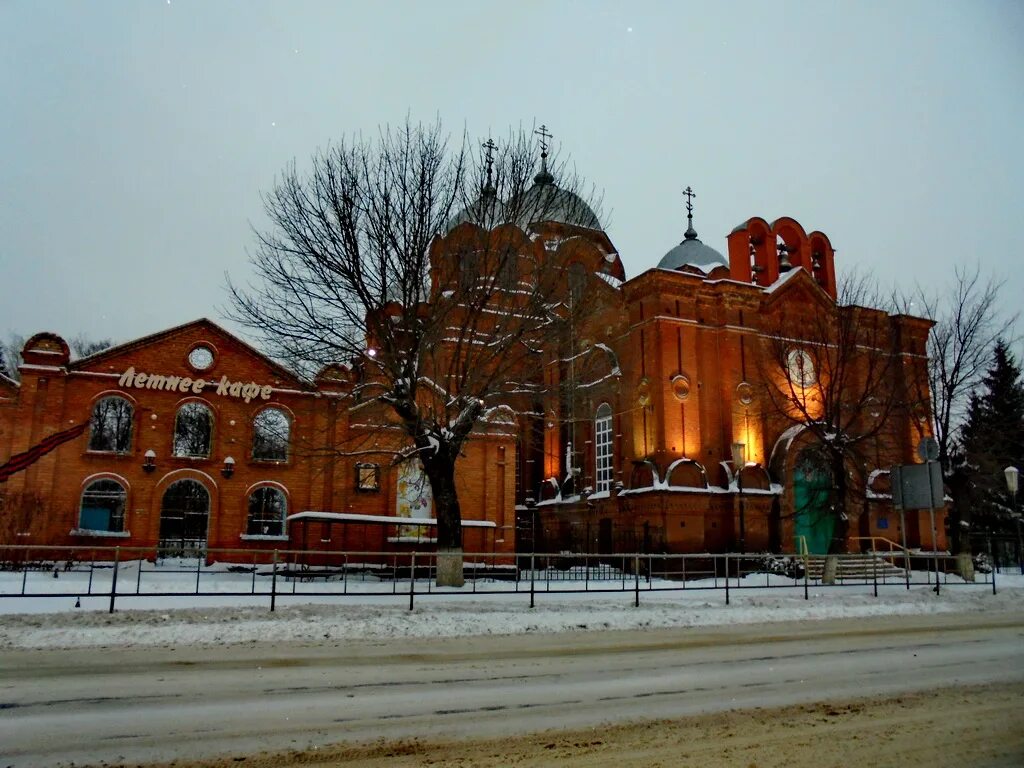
892,545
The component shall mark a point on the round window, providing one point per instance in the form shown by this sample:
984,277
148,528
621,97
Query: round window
745,393
680,387
800,368
201,357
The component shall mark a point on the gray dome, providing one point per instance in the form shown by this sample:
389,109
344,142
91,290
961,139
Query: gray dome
487,211
692,253
545,201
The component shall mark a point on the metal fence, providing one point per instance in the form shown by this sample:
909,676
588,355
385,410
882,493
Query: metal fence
127,573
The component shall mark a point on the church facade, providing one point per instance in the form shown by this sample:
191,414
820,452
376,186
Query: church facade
691,413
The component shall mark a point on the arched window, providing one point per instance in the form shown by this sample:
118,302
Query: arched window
193,430
111,425
603,448
271,430
469,271
267,509
102,507
577,280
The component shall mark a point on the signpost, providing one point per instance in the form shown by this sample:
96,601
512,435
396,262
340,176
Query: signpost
916,486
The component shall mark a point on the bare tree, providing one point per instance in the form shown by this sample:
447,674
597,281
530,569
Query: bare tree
406,257
837,372
10,356
968,324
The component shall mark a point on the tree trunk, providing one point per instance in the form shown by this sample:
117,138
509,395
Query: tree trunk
838,544
441,473
959,515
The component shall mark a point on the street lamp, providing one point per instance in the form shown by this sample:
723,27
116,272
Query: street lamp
1012,481
739,460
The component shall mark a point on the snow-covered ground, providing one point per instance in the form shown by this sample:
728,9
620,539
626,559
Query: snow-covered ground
229,618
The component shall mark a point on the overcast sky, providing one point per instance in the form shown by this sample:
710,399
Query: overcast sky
136,137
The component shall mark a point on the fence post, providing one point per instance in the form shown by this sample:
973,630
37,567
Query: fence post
273,584
727,579
636,581
199,568
993,578
533,575
412,581
806,568
874,572
113,581
937,587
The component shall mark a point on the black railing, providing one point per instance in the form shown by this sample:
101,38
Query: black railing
126,573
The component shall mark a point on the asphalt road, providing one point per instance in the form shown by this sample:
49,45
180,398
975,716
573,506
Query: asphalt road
59,707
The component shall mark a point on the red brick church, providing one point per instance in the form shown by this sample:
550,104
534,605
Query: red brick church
672,439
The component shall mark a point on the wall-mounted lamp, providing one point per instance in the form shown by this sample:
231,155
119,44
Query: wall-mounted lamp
149,460
229,467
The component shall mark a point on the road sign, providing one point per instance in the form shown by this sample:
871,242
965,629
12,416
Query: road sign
917,486
928,449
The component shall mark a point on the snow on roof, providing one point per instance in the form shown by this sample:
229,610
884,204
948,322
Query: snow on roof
348,517
784,278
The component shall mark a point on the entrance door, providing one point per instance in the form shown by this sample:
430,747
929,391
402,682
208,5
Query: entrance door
184,518
812,485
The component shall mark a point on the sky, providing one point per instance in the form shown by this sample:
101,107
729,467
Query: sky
136,138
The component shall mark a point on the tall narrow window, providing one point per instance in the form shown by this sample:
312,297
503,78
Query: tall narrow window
603,448
193,431
102,507
267,509
271,431
111,425
577,281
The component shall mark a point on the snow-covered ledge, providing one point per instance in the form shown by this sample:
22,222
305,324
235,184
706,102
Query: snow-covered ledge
261,537
100,534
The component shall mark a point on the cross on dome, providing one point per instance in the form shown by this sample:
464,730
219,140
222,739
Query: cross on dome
489,146
691,233
544,177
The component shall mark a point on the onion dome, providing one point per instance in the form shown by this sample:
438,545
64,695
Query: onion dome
546,201
692,252
486,211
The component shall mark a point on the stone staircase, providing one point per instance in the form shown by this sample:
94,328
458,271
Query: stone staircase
855,567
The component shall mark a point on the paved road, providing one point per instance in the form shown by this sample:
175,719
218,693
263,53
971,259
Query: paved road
116,705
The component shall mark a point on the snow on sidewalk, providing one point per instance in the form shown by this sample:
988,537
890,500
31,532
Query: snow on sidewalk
150,620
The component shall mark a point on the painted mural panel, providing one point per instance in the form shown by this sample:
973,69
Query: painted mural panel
413,499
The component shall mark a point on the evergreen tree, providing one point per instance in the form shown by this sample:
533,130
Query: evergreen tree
993,438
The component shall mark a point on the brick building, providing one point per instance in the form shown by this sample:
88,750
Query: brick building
196,439
656,426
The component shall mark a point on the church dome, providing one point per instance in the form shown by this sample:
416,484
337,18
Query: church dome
692,253
546,201
486,211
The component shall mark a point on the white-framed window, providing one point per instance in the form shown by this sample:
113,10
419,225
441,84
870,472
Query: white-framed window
267,509
193,430
603,448
271,431
367,477
102,507
111,425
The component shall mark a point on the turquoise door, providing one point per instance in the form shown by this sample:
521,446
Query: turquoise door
812,484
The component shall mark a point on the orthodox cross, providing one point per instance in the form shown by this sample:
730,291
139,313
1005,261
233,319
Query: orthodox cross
489,146
544,134
689,195
543,177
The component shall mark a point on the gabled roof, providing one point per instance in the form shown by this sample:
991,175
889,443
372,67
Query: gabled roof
203,322
790,280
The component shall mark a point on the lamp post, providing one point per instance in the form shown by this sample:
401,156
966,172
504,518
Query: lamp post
1012,481
739,460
